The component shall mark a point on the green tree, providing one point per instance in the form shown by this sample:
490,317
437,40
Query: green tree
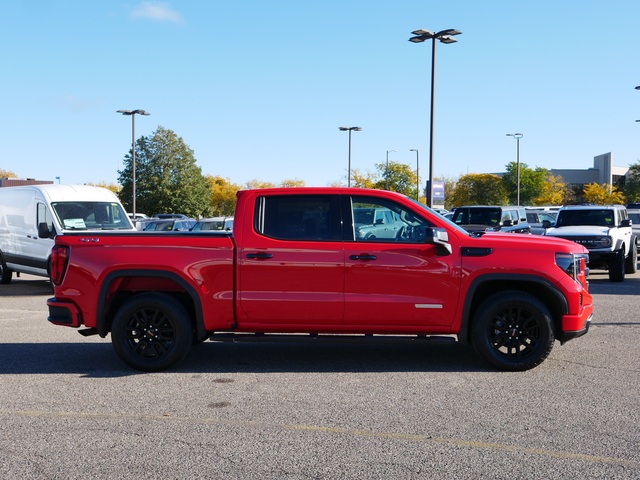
398,177
223,196
632,184
531,183
604,194
109,186
167,177
256,184
479,189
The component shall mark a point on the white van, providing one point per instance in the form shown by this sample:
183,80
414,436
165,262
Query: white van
31,216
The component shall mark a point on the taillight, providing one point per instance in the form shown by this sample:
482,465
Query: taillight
59,262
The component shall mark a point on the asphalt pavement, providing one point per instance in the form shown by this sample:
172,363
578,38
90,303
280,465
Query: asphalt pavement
70,409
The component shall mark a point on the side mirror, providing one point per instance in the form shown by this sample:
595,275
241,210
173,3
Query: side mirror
507,223
438,237
626,222
43,231
546,224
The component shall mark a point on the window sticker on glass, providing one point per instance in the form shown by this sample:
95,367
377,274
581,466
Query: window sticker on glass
74,223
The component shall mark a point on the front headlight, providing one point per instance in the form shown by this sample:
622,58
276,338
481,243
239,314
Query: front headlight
604,242
574,265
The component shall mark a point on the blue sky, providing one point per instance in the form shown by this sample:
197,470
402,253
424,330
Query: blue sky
258,89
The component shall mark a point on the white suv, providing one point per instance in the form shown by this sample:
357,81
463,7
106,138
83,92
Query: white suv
605,230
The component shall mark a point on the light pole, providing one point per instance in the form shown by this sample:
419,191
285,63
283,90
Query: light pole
349,129
517,136
444,37
387,170
417,172
133,149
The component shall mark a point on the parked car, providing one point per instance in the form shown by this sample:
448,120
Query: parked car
376,223
165,216
482,218
215,223
175,225
536,217
634,216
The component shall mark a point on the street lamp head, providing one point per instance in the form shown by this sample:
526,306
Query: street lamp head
449,31
515,135
133,112
344,129
638,87
447,40
413,150
422,31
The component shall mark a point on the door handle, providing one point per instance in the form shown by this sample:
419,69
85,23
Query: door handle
259,255
363,257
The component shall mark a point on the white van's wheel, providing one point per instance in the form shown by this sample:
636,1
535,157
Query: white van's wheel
5,273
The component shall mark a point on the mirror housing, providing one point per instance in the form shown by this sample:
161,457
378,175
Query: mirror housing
43,231
626,222
438,237
546,224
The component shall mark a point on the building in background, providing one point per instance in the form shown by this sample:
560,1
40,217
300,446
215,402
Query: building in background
19,182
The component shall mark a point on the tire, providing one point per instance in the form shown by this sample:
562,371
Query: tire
632,259
5,273
513,331
151,332
617,267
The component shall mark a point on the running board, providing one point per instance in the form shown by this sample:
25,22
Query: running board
328,338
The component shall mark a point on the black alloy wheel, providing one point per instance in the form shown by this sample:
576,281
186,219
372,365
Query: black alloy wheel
512,330
152,332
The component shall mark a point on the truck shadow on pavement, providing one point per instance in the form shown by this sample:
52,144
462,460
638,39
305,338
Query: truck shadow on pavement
98,360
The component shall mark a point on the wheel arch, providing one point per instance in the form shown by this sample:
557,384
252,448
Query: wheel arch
114,292
486,285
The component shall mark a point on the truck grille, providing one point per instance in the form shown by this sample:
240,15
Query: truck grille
588,242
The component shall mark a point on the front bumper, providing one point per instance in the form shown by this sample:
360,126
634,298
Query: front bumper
574,326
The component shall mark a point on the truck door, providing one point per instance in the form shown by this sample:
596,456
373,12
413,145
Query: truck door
399,282
291,262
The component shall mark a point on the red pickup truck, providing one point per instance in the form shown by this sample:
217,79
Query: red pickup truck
298,267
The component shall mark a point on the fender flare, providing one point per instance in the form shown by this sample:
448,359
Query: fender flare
101,314
554,291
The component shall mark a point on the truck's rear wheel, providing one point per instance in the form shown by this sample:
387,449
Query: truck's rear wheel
151,332
512,330
5,273
632,259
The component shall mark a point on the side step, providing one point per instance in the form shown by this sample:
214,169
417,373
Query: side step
329,338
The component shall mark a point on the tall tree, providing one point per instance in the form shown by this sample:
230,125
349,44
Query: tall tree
363,180
256,184
398,177
531,183
7,174
223,196
109,186
479,189
554,191
632,184
167,177
604,194
292,183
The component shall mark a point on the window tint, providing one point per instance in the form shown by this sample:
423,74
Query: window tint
300,217
379,220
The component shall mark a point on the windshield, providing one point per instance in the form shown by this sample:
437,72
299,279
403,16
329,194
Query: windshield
91,216
601,217
477,216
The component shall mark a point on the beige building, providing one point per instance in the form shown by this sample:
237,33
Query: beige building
603,171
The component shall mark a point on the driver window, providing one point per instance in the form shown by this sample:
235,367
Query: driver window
400,224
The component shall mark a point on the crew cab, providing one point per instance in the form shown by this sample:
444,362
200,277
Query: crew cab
294,269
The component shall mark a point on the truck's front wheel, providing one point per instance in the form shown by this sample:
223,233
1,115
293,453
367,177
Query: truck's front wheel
5,273
512,330
151,332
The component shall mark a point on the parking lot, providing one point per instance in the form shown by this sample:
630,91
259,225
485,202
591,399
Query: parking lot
69,408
